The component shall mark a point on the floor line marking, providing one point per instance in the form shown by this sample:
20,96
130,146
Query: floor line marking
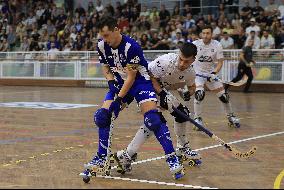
156,182
214,146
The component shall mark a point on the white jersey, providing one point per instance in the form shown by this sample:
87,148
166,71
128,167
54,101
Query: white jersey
165,68
207,55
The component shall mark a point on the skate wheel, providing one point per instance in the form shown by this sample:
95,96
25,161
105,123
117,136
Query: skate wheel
198,162
86,179
238,125
230,125
178,175
120,170
107,173
191,163
93,173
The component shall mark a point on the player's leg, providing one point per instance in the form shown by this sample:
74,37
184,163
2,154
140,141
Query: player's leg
199,96
102,119
183,150
154,122
224,97
248,72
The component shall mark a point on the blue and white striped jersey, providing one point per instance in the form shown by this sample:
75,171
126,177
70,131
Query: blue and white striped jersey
128,52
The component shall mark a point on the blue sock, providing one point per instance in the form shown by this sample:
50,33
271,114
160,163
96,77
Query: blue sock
103,140
164,137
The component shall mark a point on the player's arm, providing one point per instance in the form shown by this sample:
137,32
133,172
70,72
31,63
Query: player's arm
156,84
242,58
131,71
107,73
219,65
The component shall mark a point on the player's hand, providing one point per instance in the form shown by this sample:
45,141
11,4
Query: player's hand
116,106
212,77
113,86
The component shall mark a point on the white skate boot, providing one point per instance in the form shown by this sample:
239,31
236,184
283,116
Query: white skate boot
233,121
124,161
185,154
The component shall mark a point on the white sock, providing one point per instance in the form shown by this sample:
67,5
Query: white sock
197,108
180,131
227,106
141,136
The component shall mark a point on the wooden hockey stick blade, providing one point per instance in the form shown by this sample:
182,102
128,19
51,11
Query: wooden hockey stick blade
240,83
246,155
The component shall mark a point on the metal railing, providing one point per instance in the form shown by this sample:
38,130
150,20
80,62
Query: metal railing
84,65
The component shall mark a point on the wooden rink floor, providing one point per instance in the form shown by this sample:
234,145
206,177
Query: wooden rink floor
46,148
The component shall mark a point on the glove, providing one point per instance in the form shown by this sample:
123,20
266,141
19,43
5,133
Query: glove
212,77
163,99
184,94
116,106
113,86
167,100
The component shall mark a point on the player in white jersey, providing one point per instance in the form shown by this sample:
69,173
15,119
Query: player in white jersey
169,73
210,52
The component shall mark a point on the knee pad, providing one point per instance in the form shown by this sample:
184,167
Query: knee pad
224,98
152,120
102,118
199,95
179,118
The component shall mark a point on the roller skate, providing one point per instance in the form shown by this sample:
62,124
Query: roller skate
124,161
199,121
185,154
176,167
99,165
233,121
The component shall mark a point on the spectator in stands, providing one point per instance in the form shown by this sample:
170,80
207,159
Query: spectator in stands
189,22
4,46
267,41
281,10
256,9
144,42
186,10
216,31
164,16
227,42
20,31
246,11
25,44
272,9
91,7
50,27
144,11
153,12
254,38
179,38
80,10
253,27
176,12
228,28
143,24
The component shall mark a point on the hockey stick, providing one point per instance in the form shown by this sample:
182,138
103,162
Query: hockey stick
240,83
236,152
105,170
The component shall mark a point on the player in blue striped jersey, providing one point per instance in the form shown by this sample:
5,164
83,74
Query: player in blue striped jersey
125,69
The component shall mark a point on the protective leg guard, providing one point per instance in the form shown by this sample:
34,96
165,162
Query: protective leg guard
152,120
102,119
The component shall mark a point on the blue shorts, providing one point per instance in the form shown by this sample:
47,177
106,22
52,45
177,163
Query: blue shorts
142,92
